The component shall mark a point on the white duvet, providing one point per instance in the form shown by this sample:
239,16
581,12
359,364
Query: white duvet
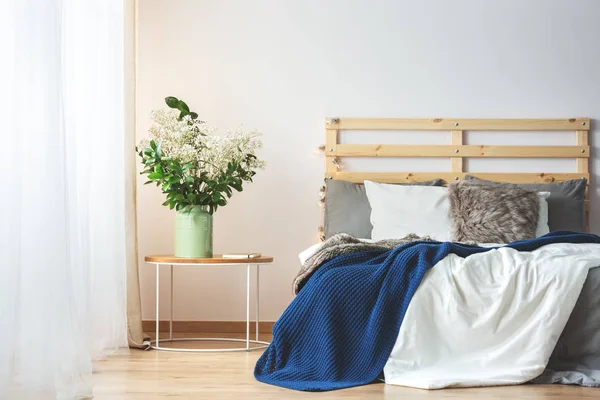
489,319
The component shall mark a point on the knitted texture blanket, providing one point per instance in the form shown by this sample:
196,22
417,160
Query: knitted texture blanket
340,329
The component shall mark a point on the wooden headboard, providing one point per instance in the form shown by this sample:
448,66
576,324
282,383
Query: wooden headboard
456,151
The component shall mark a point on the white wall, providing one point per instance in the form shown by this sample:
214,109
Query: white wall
283,66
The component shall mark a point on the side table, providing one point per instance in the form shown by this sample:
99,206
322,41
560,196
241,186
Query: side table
216,261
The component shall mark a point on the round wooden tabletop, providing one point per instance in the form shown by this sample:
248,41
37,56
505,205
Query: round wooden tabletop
216,259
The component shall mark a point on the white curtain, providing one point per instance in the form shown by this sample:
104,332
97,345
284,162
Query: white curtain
62,194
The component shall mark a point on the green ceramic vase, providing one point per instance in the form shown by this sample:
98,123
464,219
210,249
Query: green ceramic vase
193,233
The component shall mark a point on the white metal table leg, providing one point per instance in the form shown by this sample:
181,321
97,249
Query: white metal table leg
155,344
171,319
157,303
248,307
257,305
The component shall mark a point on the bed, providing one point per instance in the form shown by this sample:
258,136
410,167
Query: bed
431,311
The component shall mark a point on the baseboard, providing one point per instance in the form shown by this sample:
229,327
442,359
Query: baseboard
208,326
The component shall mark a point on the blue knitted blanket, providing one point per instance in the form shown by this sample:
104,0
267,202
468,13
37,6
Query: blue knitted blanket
340,329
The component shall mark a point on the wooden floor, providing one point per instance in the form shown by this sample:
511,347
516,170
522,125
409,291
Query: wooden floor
148,375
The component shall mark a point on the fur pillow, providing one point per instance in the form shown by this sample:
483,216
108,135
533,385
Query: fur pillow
492,214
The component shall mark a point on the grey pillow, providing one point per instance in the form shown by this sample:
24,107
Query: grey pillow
492,214
347,208
566,204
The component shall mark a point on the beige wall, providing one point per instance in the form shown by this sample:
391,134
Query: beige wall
282,66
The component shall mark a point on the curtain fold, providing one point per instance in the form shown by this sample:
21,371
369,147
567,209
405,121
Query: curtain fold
136,336
64,205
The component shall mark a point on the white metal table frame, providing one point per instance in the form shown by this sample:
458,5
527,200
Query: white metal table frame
155,344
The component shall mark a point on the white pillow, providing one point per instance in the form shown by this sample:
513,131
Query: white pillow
542,225
398,210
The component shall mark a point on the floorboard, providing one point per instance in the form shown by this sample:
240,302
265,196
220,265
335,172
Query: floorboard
149,375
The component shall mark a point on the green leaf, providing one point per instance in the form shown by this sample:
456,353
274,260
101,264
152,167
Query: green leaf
172,102
154,176
189,179
166,203
216,196
171,205
183,114
194,115
222,202
180,206
183,107
153,145
179,196
147,182
148,151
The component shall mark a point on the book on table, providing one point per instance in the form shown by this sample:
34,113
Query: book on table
241,255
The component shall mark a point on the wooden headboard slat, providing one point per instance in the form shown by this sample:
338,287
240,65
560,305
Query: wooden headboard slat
437,124
401,150
410,177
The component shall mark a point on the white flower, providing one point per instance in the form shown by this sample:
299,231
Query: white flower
195,142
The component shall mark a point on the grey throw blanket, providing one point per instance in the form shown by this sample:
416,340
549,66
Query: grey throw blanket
343,243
